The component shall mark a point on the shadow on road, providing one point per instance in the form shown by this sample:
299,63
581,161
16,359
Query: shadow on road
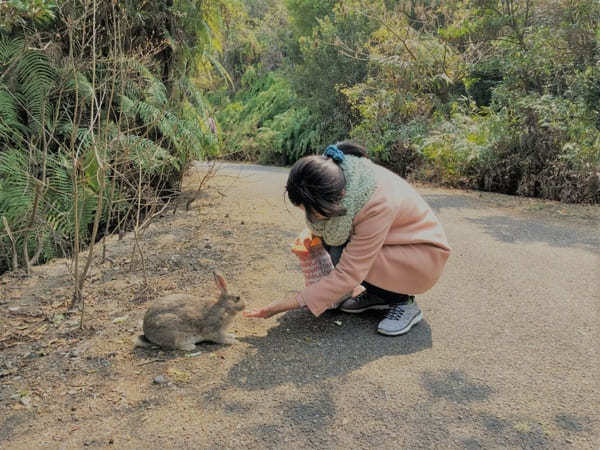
302,349
514,231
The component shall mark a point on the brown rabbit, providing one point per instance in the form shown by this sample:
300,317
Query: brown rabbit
179,321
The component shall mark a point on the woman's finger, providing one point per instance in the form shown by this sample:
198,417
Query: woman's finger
272,309
261,313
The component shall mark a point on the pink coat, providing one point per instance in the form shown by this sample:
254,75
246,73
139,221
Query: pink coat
397,243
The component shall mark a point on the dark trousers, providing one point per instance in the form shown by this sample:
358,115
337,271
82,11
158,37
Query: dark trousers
390,297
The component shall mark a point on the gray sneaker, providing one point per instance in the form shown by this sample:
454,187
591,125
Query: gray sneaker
400,319
362,302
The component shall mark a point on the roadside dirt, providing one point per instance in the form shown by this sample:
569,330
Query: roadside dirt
59,382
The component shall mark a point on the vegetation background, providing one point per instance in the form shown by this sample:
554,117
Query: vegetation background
104,104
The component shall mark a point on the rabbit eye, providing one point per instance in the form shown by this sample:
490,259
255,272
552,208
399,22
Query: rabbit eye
237,299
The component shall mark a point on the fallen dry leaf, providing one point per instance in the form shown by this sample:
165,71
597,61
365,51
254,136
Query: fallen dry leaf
179,375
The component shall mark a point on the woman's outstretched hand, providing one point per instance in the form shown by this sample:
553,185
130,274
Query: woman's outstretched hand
273,308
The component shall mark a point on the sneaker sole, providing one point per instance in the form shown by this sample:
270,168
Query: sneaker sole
412,323
356,311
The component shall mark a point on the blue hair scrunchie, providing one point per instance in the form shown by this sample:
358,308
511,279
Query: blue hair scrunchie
334,153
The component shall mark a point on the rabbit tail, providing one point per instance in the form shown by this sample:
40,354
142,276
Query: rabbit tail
141,341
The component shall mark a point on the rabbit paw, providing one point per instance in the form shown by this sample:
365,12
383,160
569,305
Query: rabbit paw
226,338
187,346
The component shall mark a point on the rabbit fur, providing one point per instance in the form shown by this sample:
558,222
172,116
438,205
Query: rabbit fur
180,321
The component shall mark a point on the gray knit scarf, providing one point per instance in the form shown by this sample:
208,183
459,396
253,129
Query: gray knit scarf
360,185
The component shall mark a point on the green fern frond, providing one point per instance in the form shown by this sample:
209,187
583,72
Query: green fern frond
16,195
147,85
83,135
149,114
11,127
79,83
9,49
9,113
146,154
193,95
37,77
60,199
220,68
157,92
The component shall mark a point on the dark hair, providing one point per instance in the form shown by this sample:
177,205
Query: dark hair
352,148
318,183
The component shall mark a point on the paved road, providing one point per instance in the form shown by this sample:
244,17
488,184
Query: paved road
507,355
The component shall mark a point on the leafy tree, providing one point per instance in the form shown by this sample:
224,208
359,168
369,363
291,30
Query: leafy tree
306,14
332,59
15,14
491,94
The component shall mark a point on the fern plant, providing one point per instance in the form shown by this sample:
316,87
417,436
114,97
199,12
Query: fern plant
74,122
264,122
180,129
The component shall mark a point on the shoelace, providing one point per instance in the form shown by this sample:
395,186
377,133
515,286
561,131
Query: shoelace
361,296
395,312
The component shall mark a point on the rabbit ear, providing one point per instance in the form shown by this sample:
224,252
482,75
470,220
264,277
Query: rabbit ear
221,283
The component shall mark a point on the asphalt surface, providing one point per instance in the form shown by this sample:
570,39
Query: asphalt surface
506,357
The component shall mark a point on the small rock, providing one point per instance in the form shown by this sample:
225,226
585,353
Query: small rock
159,380
338,322
208,246
120,319
26,402
13,308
